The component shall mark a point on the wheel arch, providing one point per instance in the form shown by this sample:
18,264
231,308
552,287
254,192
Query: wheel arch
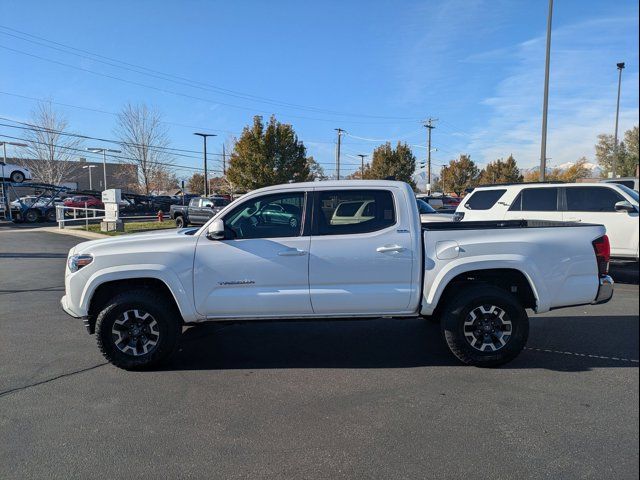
509,279
100,290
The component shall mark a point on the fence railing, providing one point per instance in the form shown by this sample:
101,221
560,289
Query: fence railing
66,214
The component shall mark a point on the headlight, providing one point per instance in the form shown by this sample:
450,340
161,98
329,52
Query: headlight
76,262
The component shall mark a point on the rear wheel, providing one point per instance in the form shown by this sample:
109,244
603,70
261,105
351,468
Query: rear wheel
485,326
17,177
138,329
31,216
51,215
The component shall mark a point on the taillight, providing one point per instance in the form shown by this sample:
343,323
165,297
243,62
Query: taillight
602,248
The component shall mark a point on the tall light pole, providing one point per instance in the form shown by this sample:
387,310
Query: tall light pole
362,157
104,160
340,132
615,141
204,138
545,102
89,167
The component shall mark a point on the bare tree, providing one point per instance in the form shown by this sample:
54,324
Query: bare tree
50,152
145,140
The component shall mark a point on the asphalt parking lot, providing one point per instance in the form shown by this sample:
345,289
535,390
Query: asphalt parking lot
343,399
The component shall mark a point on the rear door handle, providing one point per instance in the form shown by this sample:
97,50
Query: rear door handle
292,252
390,248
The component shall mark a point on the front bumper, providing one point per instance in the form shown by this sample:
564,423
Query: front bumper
64,303
605,290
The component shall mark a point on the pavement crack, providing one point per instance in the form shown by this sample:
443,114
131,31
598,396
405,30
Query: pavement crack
588,355
52,379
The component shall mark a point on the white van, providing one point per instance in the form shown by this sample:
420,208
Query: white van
610,204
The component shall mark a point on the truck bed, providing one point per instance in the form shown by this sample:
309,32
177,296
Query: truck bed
500,224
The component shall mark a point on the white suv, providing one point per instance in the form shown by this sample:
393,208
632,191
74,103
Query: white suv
14,173
609,204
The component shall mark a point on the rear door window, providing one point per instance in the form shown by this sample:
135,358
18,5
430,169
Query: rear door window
536,200
343,212
484,199
592,199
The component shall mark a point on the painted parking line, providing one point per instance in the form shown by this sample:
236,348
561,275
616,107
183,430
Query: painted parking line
587,355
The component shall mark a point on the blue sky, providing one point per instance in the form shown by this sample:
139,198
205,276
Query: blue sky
375,69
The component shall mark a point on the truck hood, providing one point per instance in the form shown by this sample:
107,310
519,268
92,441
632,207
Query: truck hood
135,241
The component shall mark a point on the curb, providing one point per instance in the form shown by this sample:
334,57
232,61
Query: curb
71,231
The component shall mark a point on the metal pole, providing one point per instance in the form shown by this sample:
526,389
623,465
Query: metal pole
206,186
615,141
339,130
545,102
362,157
104,167
429,126
90,184
224,161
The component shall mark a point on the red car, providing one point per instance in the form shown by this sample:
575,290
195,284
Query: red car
80,201
451,202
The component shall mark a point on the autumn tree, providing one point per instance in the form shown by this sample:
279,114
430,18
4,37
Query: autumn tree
501,171
398,162
316,172
577,170
460,174
625,156
144,140
267,155
195,184
50,151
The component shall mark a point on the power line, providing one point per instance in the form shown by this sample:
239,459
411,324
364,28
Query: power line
171,92
178,79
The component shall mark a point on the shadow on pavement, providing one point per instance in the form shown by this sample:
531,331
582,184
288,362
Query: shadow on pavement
396,343
625,272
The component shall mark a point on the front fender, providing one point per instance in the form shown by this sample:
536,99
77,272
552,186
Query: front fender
126,272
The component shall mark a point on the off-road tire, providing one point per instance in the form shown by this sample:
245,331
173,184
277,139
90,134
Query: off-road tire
169,325
459,308
180,223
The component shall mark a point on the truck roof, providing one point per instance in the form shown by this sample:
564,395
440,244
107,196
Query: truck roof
333,184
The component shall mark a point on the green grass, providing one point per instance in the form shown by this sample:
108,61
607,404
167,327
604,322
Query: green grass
135,227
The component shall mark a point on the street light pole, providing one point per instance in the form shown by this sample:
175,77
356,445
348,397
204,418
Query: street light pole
104,160
362,157
615,141
545,102
89,167
204,138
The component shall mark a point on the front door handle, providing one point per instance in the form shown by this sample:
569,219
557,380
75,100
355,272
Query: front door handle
390,248
292,252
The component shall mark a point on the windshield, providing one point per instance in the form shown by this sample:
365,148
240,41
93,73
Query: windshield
424,207
632,193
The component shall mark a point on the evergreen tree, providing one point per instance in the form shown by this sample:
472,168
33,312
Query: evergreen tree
501,171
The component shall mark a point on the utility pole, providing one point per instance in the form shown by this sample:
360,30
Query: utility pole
362,157
340,132
615,141
224,162
429,126
545,102
204,138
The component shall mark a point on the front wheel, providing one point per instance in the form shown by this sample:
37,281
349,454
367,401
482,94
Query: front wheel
138,330
485,326
180,221
31,216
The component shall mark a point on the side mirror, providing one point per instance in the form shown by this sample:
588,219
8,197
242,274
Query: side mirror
625,206
216,230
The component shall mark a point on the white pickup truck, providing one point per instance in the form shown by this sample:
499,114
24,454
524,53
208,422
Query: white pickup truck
247,263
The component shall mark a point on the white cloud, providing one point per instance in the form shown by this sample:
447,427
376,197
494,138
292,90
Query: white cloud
582,97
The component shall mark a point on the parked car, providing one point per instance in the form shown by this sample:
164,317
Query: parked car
14,173
610,204
34,208
198,212
136,293
429,214
82,201
436,202
629,182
